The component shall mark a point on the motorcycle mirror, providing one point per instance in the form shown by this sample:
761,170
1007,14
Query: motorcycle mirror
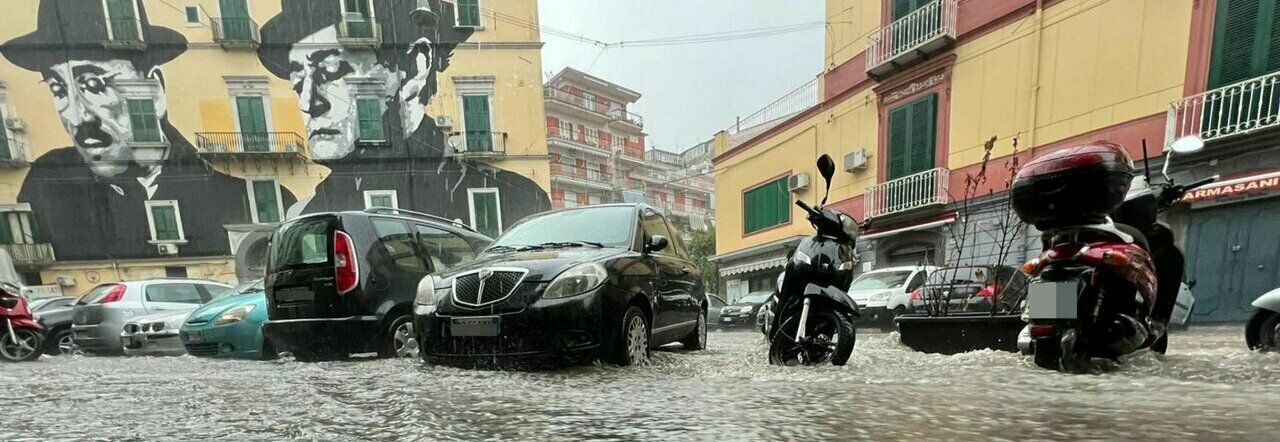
1186,145
826,167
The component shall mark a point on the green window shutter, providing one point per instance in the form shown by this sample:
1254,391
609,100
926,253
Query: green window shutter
1243,40
1273,48
253,124
193,14
899,131
264,201
485,205
369,114
120,14
475,115
469,12
766,206
142,117
903,7
235,19
362,28
5,153
6,233
923,134
166,222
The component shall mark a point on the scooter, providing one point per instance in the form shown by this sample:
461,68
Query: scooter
812,316
23,337
1107,281
1262,332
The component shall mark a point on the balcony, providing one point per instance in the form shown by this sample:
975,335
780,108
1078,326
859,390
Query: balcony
480,144
581,176
924,32
576,102
577,141
622,116
30,254
261,144
1236,109
236,32
361,34
13,153
911,192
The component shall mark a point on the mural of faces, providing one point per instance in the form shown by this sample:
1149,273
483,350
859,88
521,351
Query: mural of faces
94,111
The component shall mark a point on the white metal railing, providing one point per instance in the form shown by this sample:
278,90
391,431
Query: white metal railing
30,253
1234,109
925,24
909,192
793,102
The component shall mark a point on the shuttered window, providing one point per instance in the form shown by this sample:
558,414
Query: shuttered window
123,20
142,116
485,212
766,206
913,137
469,13
266,204
5,152
1246,41
903,7
357,19
165,220
475,115
369,114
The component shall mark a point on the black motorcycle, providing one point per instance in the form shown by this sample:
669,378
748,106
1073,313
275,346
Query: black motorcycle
812,316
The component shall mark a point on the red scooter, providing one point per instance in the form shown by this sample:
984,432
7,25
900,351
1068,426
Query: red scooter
23,337
1106,282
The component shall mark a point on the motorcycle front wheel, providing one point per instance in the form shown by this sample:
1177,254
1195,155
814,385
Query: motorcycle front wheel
828,338
23,345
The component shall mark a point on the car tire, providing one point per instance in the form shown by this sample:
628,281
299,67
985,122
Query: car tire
32,346
632,342
54,345
1261,332
697,340
399,340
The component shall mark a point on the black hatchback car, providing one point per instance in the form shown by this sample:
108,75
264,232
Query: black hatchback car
609,281
343,283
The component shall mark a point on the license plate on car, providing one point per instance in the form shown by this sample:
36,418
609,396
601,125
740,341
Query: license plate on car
1052,300
478,326
726,319
194,336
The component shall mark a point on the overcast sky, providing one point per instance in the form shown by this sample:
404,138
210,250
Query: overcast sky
688,91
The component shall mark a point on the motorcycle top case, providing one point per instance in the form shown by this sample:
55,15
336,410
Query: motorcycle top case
1072,186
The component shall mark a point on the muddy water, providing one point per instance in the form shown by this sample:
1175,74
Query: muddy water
1208,388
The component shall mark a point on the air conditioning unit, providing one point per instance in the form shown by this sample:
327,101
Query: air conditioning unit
444,122
798,182
167,249
15,124
855,160
66,281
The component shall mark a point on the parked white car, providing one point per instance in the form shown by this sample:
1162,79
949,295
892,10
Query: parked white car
155,334
100,315
884,293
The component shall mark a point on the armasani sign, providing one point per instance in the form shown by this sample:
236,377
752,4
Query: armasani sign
1235,190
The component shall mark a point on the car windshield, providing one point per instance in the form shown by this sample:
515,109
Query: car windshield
755,298
880,280
609,226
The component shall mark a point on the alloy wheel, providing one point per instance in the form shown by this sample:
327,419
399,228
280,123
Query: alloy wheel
26,344
637,340
67,345
406,344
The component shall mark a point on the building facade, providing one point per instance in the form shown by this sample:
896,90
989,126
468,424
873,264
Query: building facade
908,112
150,138
598,154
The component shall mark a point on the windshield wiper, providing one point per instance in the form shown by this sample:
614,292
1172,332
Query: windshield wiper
501,249
556,244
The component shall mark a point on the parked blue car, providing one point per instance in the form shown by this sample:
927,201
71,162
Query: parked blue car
230,326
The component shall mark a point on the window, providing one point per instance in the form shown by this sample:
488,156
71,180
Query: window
16,228
236,24
677,244
589,101
486,211
399,245
122,20
1246,41
369,116
469,13
912,137
165,220
903,7
181,293
193,15
142,118
570,199
175,272
766,206
381,198
251,115
445,250
917,281
5,152
594,199
357,18
264,196
476,120
301,242
654,225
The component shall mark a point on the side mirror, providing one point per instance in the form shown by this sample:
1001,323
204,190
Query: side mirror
657,243
826,168
1187,144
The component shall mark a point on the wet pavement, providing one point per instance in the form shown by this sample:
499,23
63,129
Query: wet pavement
1208,388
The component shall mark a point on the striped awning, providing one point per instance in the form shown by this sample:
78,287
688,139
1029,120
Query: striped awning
761,262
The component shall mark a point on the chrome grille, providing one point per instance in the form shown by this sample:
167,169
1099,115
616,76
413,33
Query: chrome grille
486,286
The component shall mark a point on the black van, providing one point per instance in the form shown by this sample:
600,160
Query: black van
342,283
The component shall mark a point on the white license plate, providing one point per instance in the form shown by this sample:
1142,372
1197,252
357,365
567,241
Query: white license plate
726,319
478,326
195,337
1052,300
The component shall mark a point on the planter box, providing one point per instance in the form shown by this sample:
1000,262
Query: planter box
960,332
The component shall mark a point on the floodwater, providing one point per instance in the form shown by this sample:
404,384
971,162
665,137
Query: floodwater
1208,388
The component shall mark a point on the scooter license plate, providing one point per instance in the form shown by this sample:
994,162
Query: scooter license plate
1052,300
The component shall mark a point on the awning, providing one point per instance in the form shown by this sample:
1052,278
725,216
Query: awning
762,262
924,226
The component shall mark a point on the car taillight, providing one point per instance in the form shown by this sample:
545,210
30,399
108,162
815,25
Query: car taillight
116,294
345,268
915,296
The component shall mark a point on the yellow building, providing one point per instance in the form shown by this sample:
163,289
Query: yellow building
913,89
150,138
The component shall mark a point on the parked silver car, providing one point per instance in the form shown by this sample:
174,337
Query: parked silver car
154,335
101,314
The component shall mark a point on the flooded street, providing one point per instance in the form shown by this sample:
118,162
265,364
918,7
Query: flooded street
1209,388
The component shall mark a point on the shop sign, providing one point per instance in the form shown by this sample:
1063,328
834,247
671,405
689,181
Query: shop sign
1235,190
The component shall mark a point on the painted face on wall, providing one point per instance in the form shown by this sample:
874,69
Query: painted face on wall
328,81
94,110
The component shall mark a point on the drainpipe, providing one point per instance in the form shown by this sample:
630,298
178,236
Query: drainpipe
1035,74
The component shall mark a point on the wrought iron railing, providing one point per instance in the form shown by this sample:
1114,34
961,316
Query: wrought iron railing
1235,109
235,30
583,173
909,192
788,105
630,117
575,99
12,150
479,142
926,24
30,253
251,142
560,133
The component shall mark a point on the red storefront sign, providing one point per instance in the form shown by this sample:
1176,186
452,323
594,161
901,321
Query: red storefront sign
1238,189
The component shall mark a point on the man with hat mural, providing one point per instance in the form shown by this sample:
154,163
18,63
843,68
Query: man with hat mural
131,180
418,38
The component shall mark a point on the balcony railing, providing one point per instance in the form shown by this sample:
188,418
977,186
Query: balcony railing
365,33
478,143
30,253
1235,109
236,31
910,192
13,152
575,99
584,173
574,136
927,29
251,143
628,117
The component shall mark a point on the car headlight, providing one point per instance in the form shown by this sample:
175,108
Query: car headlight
234,314
746,309
882,296
426,291
726,310
577,280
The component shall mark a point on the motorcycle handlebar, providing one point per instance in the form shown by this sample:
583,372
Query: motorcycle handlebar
805,206
1196,184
